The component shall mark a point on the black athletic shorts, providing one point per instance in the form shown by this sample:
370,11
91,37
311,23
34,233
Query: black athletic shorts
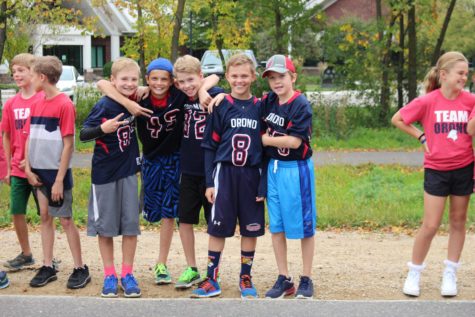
192,198
458,182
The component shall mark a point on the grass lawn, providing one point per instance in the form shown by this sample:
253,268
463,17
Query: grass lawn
366,196
388,139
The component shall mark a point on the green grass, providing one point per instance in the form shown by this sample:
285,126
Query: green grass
388,139
365,196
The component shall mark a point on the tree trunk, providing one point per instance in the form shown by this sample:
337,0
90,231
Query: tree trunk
176,29
400,66
412,55
3,27
279,36
141,41
440,40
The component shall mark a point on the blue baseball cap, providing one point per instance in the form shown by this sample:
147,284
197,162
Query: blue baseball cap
160,64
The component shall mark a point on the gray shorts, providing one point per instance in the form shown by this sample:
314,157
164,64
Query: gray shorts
114,208
63,211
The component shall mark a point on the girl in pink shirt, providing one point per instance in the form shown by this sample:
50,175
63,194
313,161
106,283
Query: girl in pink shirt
448,163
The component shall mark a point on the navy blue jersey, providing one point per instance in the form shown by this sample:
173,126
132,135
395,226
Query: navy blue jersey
233,133
291,118
161,133
191,154
116,155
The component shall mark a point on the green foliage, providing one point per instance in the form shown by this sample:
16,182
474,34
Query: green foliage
86,98
107,69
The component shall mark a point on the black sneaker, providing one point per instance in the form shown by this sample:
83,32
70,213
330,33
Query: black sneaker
19,262
45,275
305,290
79,278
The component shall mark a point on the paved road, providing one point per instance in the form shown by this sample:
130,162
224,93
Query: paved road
38,306
325,158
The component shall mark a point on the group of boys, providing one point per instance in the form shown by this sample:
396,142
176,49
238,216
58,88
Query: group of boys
225,163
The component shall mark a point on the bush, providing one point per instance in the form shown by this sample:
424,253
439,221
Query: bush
86,98
106,70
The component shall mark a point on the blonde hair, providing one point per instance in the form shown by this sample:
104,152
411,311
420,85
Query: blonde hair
240,59
50,66
187,64
124,63
23,59
445,62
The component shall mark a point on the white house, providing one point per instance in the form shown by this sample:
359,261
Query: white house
86,51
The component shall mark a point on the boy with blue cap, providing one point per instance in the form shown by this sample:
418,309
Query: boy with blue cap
160,135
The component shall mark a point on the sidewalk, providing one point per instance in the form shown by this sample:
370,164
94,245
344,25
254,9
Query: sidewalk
324,158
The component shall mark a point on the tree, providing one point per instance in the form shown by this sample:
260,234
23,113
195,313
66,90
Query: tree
440,39
176,29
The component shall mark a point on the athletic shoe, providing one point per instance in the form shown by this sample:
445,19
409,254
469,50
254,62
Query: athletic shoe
449,283
20,262
45,275
284,286
162,276
188,278
110,286
411,285
79,278
305,289
130,286
207,288
246,287
4,282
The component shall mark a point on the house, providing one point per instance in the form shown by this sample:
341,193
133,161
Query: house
342,9
84,50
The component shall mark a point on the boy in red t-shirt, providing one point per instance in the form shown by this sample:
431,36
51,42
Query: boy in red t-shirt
49,149
14,115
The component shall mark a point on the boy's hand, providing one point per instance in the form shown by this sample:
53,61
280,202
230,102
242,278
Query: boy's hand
137,111
259,199
22,164
216,101
57,191
204,98
33,179
112,125
210,194
142,92
6,179
265,137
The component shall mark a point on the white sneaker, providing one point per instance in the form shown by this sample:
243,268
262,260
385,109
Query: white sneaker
411,285
449,283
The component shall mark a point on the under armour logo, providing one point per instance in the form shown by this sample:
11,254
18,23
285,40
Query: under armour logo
452,135
216,223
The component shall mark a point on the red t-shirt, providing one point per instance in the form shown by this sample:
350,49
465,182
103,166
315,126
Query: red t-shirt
14,116
445,127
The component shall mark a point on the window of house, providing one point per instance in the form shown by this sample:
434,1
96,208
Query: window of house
98,56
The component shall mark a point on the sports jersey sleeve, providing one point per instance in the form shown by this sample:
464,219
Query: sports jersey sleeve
214,91
413,111
212,134
94,118
301,121
67,119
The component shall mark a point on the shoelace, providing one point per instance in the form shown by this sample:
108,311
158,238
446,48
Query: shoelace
279,282
413,275
246,281
304,283
206,285
450,276
130,280
160,270
109,282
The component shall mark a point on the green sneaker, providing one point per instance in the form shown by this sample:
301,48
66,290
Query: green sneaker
162,276
188,278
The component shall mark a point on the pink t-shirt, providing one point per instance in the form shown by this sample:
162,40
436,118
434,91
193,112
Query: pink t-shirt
445,127
3,161
14,115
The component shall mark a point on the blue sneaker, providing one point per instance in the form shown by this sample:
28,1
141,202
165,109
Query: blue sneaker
110,286
130,286
247,287
284,286
206,288
4,282
305,290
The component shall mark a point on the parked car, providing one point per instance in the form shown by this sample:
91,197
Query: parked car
211,62
69,80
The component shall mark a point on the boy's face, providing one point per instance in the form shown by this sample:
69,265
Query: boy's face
21,75
126,81
189,83
159,82
37,80
240,78
281,84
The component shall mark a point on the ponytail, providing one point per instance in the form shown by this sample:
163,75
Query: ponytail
431,81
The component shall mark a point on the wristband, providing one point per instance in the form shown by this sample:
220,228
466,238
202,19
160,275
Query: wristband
423,141
420,136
